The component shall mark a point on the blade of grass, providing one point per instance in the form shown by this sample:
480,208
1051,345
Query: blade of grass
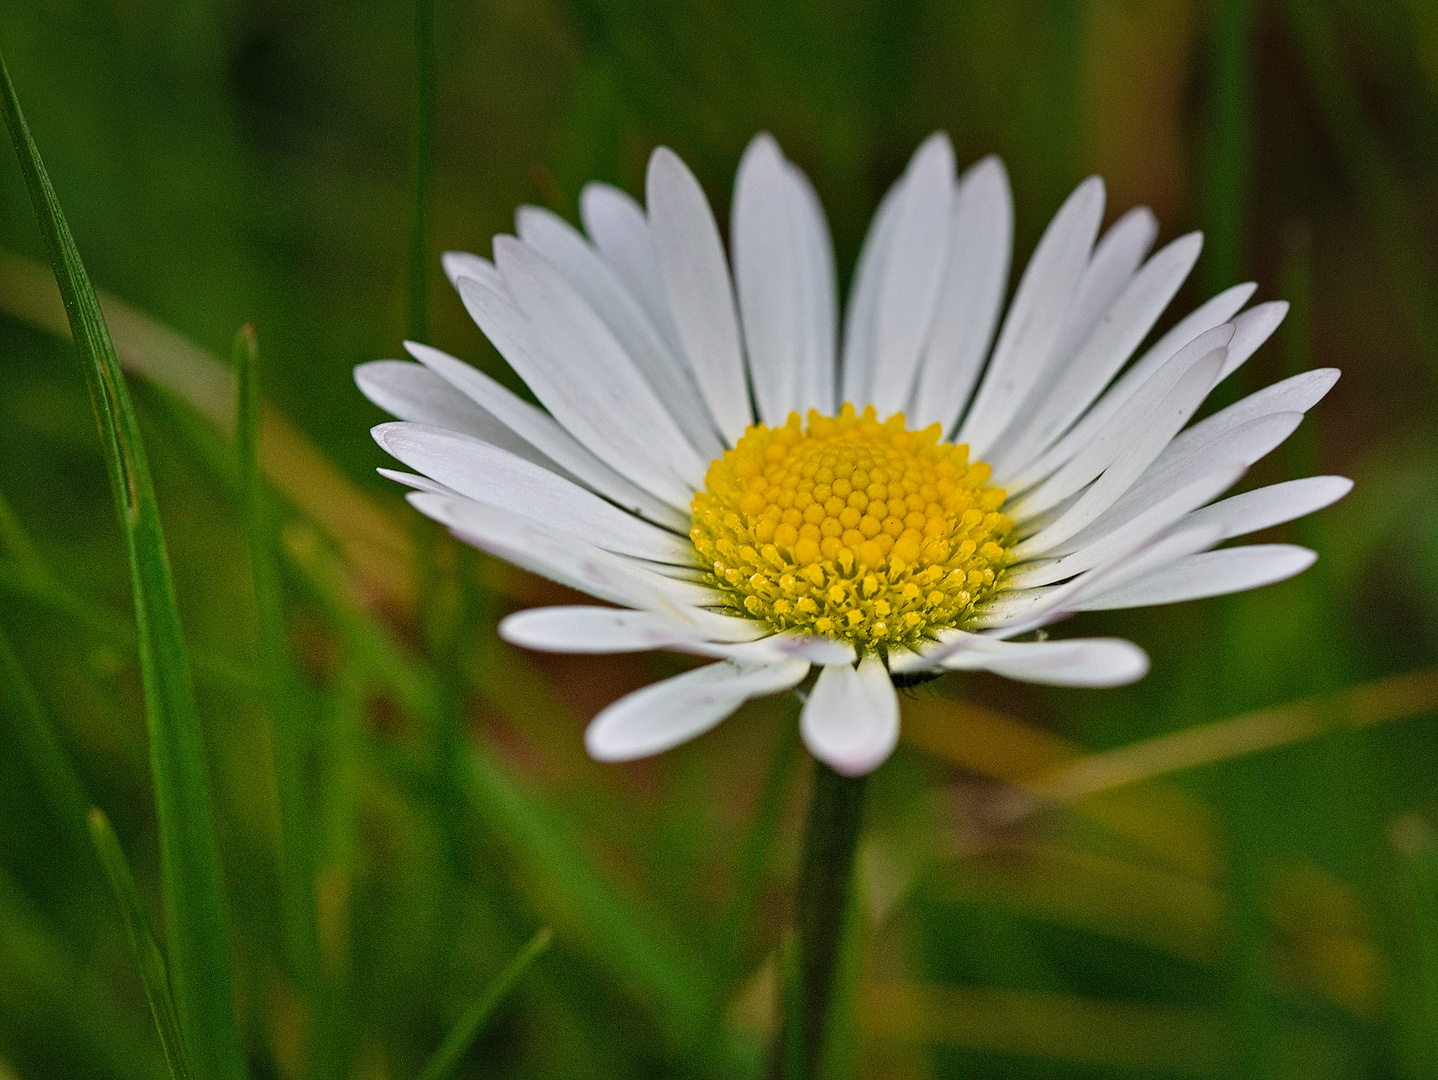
1225,180
1379,702
376,547
286,724
18,543
463,1034
50,1000
196,920
1415,898
1379,189
86,615
423,167
148,957
59,785
593,911
1249,997
1225,193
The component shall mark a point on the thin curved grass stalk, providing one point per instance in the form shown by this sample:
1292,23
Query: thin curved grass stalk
154,973
467,1029
195,910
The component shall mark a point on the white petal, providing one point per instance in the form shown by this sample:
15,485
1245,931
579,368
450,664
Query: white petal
540,430
598,420
696,282
416,482
1254,328
1020,611
1080,380
1090,549
1108,441
1209,573
616,224
557,555
767,277
464,264
412,392
590,629
1272,505
661,716
662,367
1150,435
1297,394
976,273
1035,318
1090,662
496,477
913,273
1116,256
595,364
1214,313
851,720
1242,433
818,312
931,655
861,315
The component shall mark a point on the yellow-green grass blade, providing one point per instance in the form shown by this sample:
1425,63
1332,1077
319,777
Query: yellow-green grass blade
196,920
462,1035
148,957
286,720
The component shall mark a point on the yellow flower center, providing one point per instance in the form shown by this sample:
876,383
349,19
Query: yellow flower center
853,529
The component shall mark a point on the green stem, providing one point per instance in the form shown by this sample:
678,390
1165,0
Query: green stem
831,836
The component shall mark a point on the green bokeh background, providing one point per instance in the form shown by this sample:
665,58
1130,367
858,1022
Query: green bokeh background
1273,915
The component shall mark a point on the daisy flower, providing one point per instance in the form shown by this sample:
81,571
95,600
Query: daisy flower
908,496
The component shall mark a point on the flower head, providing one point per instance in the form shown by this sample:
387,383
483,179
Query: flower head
745,483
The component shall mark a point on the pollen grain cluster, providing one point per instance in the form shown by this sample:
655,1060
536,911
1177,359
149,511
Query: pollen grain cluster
850,528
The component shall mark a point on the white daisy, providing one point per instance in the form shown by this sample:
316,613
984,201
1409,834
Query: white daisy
748,484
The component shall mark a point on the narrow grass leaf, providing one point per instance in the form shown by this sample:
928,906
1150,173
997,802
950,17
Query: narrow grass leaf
59,786
288,736
463,1034
196,920
423,167
592,910
1226,168
1376,182
148,957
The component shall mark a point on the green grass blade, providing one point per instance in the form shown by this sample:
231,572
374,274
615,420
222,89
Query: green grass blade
196,921
1414,898
590,909
423,167
463,1034
1381,195
58,784
288,735
148,957
1226,173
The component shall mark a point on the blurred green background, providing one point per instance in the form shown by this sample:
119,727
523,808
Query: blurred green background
1261,903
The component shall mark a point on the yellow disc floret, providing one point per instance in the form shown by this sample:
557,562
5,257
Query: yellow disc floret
853,529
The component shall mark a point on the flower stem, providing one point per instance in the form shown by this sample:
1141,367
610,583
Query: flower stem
831,836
